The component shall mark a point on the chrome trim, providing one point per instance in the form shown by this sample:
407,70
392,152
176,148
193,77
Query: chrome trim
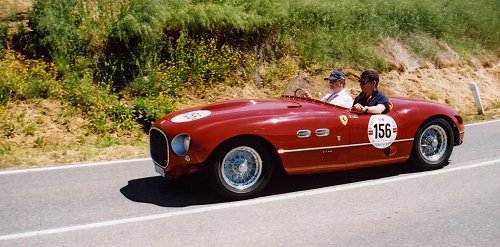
282,151
303,133
404,140
167,146
322,132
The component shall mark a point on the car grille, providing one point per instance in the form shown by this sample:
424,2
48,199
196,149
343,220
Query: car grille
158,147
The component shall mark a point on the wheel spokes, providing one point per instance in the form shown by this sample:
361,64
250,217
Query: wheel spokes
241,167
433,143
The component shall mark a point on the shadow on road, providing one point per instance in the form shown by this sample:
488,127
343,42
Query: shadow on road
169,192
195,190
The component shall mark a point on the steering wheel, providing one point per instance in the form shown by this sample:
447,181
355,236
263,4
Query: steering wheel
301,92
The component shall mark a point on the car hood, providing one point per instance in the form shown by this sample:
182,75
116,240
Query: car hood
232,109
233,106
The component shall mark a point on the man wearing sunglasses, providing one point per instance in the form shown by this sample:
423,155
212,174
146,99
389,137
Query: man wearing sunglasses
370,100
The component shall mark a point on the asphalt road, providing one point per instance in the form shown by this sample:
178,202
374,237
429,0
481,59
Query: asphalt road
125,203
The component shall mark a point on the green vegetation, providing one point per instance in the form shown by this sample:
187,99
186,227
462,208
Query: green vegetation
3,37
114,59
121,64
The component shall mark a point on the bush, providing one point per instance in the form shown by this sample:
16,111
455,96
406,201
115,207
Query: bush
57,27
85,95
104,110
3,37
123,116
27,78
147,110
132,45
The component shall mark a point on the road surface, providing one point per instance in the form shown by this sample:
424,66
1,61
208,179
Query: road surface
125,203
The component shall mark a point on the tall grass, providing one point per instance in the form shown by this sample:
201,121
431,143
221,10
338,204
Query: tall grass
3,37
348,31
130,38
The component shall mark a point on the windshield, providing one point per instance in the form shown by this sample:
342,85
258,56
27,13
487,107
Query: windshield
315,91
299,87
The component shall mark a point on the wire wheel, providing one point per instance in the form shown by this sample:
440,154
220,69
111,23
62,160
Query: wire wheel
433,143
241,168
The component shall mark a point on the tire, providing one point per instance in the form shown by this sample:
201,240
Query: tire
241,169
433,145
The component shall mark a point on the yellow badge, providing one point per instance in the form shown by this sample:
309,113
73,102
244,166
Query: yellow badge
343,119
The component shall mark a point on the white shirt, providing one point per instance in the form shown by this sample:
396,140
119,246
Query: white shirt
341,98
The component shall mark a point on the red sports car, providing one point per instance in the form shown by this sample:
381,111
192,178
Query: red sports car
238,143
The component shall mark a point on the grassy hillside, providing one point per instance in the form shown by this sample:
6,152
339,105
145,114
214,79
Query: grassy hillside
115,66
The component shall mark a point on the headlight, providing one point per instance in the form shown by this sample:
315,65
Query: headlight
180,144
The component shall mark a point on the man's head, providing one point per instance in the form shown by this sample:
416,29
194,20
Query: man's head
369,81
336,75
337,80
368,76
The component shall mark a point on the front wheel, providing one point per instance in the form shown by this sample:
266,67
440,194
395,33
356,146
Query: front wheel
433,145
241,169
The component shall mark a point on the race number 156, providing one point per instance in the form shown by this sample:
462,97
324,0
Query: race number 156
382,131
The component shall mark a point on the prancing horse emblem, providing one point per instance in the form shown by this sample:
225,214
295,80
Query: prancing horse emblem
343,119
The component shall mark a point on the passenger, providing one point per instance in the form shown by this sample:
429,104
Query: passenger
370,100
338,94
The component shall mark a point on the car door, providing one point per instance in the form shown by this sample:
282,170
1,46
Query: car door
317,143
373,138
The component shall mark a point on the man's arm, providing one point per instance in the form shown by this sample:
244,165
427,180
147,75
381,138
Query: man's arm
378,109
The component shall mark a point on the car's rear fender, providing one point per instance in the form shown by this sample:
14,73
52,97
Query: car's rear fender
454,123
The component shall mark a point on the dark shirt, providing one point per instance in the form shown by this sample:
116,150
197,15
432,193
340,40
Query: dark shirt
376,98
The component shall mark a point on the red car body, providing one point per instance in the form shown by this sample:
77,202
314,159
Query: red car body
302,135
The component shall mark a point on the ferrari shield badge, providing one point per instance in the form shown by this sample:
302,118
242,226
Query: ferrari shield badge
343,119
382,131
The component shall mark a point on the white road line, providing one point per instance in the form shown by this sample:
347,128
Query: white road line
485,122
50,168
244,203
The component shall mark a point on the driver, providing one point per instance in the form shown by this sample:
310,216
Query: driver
338,94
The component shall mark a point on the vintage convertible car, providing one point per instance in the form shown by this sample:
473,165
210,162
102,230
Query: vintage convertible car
238,143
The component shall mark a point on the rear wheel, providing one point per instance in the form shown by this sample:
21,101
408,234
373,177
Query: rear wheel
241,168
433,145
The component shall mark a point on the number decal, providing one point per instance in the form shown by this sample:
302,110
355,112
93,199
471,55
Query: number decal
382,131
190,116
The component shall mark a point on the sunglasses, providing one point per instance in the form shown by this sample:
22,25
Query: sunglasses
363,82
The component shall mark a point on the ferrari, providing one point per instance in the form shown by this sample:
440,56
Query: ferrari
239,143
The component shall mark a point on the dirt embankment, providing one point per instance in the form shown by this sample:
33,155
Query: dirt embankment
446,79
8,8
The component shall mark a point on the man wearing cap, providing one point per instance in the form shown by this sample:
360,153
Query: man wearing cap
370,100
338,95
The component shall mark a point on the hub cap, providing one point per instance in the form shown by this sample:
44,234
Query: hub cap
433,143
241,168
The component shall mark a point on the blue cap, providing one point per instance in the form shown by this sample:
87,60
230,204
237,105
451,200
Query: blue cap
337,75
